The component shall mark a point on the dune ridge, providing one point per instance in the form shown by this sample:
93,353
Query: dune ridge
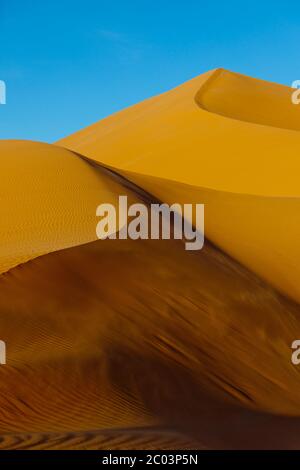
48,200
139,343
246,173
224,91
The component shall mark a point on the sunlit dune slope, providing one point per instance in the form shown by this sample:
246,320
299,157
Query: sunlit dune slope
48,199
234,143
141,344
230,94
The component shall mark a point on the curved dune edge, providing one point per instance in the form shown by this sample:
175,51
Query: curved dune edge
140,343
246,173
224,92
260,232
170,136
48,200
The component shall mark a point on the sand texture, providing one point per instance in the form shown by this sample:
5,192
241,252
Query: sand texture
140,343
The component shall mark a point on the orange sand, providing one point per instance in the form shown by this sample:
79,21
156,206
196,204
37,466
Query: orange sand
208,134
141,344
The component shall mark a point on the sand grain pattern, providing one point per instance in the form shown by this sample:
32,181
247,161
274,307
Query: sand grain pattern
141,344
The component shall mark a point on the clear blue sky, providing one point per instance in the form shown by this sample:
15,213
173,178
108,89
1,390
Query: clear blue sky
68,63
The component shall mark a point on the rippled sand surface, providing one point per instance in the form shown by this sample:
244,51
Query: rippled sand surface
140,343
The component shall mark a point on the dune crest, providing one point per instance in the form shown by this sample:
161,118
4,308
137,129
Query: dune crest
236,158
48,200
225,91
139,343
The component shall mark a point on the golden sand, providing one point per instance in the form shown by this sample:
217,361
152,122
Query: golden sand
127,344
48,200
136,339
232,139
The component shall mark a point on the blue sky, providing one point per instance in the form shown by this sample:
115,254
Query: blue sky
68,63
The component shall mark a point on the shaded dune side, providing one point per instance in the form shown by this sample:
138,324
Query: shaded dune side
140,343
245,172
131,335
140,438
262,232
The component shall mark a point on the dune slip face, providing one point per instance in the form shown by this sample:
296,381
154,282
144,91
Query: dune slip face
140,343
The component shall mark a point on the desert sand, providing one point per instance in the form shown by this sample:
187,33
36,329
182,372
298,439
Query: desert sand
212,135
139,343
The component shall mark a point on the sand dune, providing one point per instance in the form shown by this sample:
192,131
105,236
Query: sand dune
245,172
141,344
48,200
137,335
246,99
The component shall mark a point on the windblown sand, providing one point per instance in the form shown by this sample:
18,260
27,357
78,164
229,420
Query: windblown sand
139,343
